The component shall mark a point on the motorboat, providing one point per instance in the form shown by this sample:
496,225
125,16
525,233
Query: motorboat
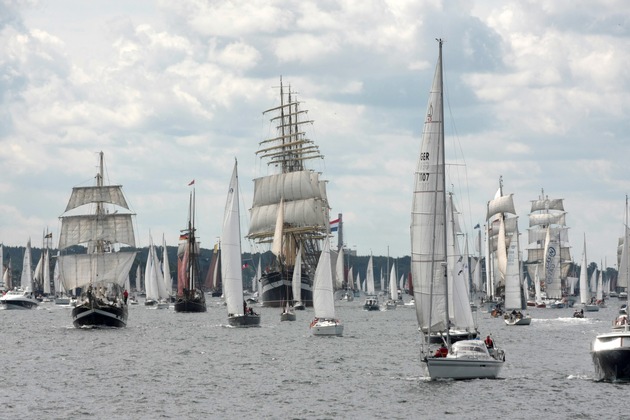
611,354
518,319
371,303
18,299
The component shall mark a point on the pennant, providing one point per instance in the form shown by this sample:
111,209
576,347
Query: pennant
191,182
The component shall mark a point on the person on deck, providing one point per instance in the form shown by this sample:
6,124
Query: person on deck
489,342
125,296
441,352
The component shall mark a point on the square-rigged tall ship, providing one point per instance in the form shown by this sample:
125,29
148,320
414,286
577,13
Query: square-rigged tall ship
102,266
290,207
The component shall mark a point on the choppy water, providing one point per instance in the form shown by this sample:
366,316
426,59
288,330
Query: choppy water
170,365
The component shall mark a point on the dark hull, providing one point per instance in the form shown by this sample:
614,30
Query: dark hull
190,305
244,320
96,315
277,289
613,364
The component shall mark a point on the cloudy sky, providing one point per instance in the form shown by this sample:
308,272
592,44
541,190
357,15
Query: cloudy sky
536,92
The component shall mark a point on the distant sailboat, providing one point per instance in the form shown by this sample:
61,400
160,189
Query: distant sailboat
371,300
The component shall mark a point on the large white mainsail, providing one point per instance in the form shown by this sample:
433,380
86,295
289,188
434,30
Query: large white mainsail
369,277
585,296
231,250
339,270
323,300
26,278
296,280
513,276
428,223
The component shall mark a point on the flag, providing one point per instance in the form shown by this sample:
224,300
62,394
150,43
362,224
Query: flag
334,225
191,182
183,236
477,226
49,235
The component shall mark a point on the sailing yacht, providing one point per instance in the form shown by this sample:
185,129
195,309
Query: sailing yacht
325,322
101,271
291,202
189,298
429,258
371,300
239,314
623,259
22,297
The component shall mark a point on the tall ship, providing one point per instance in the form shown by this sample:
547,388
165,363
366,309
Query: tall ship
97,219
290,207
190,296
548,252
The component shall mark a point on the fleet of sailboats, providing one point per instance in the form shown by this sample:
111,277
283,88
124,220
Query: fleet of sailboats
290,211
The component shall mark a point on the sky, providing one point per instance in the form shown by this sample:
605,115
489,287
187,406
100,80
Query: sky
536,92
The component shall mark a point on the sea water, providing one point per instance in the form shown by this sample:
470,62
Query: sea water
190,366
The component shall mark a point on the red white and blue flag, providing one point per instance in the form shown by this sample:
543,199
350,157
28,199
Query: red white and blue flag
334,225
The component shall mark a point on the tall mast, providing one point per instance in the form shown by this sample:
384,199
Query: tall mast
442,159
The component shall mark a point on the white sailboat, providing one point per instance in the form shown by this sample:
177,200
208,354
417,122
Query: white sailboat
288,312
466,358
239,314
156,294
325,322
623,259
371,300
22,297
102,271
393,291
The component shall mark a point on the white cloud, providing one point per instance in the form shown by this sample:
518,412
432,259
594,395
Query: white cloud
173,91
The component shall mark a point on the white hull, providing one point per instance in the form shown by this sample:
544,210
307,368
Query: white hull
526,320
18,300
327,328
455,368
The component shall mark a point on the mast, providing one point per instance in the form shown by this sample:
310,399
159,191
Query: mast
442,163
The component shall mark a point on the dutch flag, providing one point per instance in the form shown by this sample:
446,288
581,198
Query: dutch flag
334,225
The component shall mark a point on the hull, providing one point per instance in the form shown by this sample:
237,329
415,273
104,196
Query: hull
454,368
243,321
276,289
287,316
522,321
611,356
18,303
192,302
327,328
94,315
